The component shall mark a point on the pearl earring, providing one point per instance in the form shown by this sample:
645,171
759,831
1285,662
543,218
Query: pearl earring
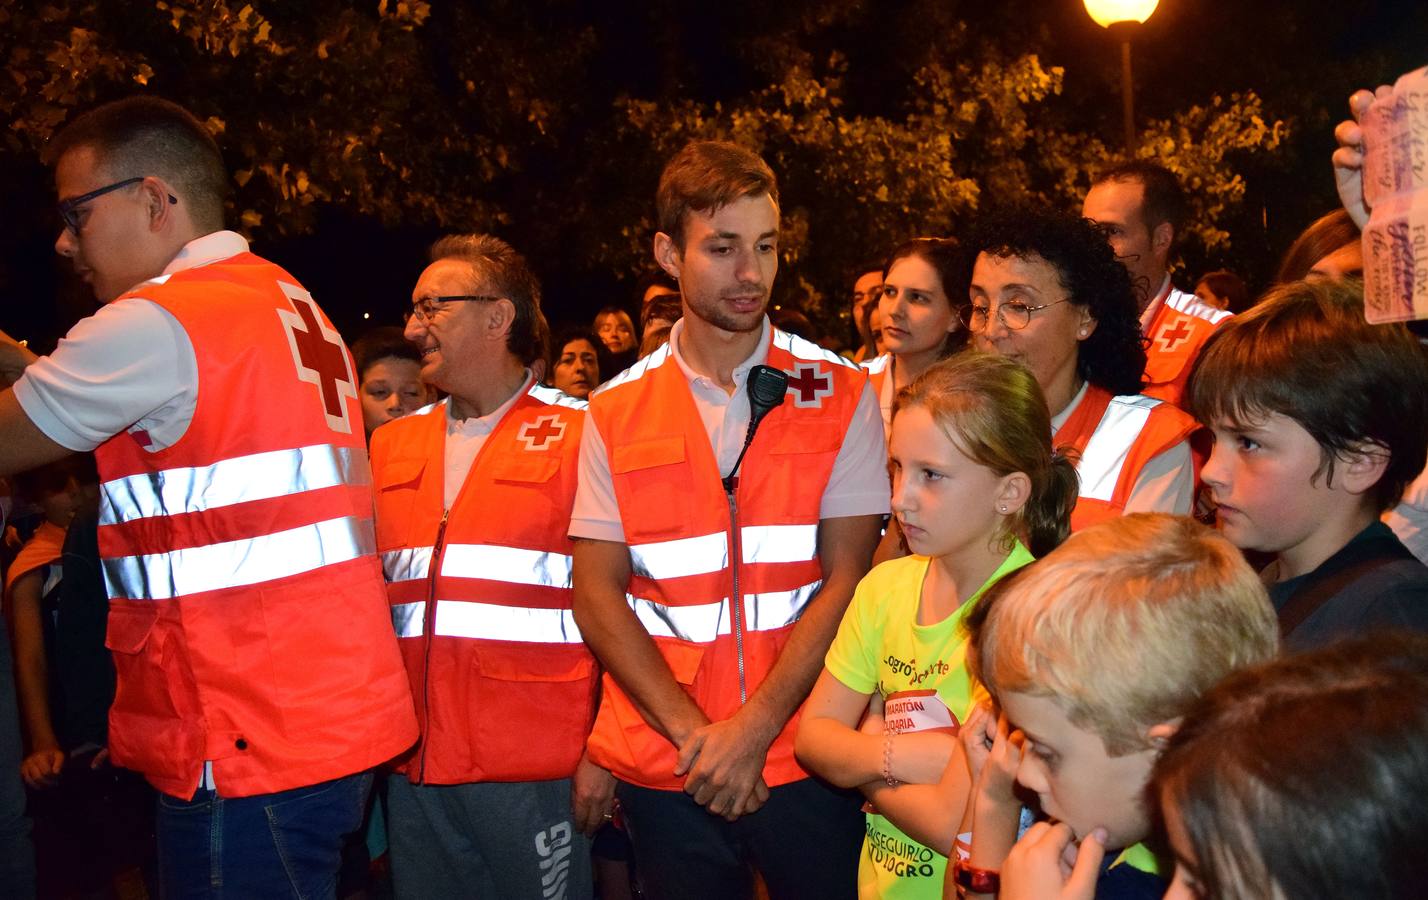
1004,509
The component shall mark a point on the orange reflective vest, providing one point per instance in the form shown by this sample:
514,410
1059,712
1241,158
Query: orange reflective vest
692,548
1115,437
246,604
1179,329
480,595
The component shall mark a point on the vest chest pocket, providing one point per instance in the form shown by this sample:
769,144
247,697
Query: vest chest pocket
523,483
525,470
397,485
651,477
795,452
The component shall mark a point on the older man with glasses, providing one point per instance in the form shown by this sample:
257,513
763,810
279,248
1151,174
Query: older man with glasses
473,504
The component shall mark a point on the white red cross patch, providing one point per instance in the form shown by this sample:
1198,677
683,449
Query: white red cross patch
542,432
809,385
1173,333
319,355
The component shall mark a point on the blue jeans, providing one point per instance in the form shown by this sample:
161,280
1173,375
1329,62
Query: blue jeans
287,844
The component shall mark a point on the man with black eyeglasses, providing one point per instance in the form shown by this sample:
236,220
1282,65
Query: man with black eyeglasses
473,504
258,679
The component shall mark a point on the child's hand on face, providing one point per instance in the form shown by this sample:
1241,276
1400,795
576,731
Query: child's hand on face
977,735
997,783
1047,864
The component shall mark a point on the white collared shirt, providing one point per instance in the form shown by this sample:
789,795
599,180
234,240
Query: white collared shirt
1147,315
466,437
128,367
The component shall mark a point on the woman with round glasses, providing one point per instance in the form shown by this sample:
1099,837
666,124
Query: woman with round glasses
1048,292
918,316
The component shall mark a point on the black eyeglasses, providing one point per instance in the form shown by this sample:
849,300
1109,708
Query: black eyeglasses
69,209
1013,314
425,308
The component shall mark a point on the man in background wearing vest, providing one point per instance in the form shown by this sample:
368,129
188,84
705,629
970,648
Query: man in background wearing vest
258,679
1143,210
473,504
711,607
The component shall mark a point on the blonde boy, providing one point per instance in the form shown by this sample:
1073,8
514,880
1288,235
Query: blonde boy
1093,654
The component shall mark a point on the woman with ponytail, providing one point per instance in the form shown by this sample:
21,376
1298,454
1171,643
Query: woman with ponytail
975,484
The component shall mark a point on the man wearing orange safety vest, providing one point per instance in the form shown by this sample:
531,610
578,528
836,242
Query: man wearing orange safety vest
1143,210
711,594
258,680
473,505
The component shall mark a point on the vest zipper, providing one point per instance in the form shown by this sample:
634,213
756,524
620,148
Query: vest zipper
736,555
429,620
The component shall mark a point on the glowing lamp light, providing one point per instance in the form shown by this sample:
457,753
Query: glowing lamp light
1108,12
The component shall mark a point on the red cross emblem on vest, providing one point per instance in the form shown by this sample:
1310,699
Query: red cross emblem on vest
1174,333
809,385
319,355
541,433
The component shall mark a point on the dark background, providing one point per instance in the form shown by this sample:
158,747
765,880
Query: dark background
1302,58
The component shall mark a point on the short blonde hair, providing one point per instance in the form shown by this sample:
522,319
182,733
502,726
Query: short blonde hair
1126,624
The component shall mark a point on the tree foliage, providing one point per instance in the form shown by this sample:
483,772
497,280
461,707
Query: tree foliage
975,134
374,107
513,117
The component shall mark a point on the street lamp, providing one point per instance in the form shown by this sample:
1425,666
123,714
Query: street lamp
1121,17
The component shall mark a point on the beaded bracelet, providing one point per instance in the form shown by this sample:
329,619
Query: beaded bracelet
887,760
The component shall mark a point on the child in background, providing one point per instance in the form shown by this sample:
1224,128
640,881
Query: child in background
388,377
58,489
1320,420
973,476
1093,655
1305,777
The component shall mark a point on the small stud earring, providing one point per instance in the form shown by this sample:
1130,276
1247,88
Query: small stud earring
1004,509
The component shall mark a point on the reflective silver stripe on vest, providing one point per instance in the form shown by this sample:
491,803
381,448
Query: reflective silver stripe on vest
710,552
512,564
258,476
407,619
163,576
704,622
1110,444
493,622
778,543
775,609
407,564
678,558
802,348
488,621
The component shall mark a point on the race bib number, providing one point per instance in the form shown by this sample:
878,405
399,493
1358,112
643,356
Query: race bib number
923,710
